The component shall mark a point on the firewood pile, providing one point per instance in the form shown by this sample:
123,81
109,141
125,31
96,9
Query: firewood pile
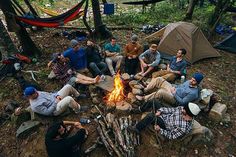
114,135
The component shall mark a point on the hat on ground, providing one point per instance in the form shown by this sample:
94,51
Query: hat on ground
198,77
192,109
29,91
153,46
134,38
73,43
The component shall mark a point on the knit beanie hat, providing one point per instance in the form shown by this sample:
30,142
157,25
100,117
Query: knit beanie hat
198,77
134,38
73,43
192,109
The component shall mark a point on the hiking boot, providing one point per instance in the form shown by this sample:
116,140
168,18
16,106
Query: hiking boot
81,96
133,129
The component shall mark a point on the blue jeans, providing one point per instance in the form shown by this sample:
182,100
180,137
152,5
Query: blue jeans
97,68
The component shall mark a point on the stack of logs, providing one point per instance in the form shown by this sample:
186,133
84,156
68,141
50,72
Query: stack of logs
113,134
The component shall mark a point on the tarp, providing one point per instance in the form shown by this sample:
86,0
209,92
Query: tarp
184,35
228,44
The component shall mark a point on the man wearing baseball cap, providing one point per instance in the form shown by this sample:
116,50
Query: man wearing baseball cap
180,95
172,123
53,104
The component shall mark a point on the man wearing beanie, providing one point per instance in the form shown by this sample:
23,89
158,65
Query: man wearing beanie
53,104
132,51
180,95
170,122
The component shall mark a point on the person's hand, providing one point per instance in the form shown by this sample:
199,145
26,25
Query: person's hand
129,57
18,111
58,98
70,71
158,113
145,65
157,128
134,56
78,125
173,90
49,64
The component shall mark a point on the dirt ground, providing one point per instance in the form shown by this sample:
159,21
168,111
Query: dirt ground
220,74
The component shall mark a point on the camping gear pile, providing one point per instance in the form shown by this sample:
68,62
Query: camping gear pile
148,29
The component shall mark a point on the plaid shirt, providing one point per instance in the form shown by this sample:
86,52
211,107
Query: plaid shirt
61,72
175,125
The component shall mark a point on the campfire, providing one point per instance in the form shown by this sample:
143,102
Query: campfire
117,94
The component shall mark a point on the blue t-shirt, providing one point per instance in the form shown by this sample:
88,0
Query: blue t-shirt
78,59
110,48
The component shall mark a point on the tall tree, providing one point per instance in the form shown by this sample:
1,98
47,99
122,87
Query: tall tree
190,10
28,46
101,30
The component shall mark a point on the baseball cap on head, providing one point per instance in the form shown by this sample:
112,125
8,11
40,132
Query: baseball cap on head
73,43
29,91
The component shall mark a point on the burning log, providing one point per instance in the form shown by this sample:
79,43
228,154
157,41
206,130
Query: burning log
108,139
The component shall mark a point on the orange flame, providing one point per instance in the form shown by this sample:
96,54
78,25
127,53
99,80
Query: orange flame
117,93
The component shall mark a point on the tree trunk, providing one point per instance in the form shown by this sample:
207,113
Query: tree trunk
190,10
220,9
7,46
31,8
28,46
101,30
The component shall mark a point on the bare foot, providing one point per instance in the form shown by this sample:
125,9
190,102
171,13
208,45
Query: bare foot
97,79
140,73
140,98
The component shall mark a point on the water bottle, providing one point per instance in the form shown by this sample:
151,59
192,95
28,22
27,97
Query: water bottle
182,79
84,120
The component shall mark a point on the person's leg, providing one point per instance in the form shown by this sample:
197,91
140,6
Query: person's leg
110,66
94,68
149,119
103,67
142,68
134,63
68,90
161,94
159,73
154,84
148,71
118,60
66,102
83,77
150,104
170,77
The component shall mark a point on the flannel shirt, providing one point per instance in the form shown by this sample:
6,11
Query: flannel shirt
175,125
61,72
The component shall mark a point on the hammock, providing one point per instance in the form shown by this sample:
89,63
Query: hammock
143,2
55,13
53,21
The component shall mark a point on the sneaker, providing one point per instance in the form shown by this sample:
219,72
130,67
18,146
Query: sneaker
81,96
102,78
133,129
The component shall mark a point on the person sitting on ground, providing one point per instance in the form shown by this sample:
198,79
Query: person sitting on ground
66,75
132,51
95,63
112,52
175,68
149,60
77,56
180,95
171,123
53,104
59,144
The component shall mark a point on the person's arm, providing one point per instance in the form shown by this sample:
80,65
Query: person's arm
157,60
183,101
76,139
174,133
42,109
165,110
